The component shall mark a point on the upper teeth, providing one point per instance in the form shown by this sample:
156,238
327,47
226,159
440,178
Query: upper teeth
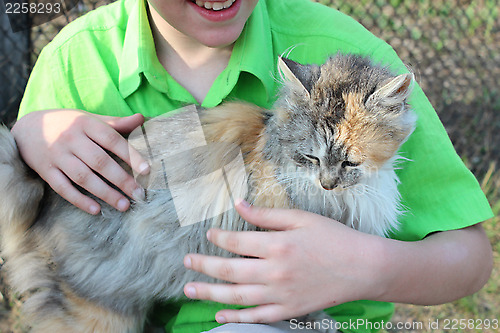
215,5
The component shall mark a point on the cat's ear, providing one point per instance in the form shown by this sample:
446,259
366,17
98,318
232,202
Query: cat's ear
394,92
304,76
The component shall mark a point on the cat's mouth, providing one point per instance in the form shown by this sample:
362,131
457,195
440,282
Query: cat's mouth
214,5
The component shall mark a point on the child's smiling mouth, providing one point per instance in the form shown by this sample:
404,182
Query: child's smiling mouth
214,5
217,11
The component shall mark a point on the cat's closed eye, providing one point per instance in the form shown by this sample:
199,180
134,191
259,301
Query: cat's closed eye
346,164
305,159
312,158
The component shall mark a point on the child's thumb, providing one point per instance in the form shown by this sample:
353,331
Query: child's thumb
124,125
267,218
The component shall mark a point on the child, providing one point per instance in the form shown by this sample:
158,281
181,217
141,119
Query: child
108,70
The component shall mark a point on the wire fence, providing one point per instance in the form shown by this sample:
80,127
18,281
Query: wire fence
22,37
453,46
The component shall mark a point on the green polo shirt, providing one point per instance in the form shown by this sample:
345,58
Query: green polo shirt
105,63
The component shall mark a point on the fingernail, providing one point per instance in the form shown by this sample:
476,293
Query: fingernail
122,205
242,203
187,262
221,319
144,168
191,292
94,209
138,194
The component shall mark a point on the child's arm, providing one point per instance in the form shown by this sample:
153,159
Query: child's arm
313,262
65,146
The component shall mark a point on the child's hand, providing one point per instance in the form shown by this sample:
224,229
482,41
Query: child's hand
64,145
312,262
308,264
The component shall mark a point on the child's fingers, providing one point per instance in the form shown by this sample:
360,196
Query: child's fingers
98,160
236,270
267,313
246,243
80,173
63,145
123,125
60,183
239,294
109,139
270,218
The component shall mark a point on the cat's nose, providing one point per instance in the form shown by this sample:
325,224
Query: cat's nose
329,184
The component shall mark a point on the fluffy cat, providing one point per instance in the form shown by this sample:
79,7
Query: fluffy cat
328,145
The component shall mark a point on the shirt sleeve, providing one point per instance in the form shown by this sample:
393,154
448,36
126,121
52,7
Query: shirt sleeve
47,88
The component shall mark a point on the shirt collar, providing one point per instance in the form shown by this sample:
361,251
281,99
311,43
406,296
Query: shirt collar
252,53
254,49
138,54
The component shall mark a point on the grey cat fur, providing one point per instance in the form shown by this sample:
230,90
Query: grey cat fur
124,262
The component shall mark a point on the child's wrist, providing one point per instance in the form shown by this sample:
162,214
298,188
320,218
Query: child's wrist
382,264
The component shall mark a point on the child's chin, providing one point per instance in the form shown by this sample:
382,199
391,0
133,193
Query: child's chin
216,39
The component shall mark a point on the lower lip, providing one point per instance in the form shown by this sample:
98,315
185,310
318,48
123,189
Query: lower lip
218,15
